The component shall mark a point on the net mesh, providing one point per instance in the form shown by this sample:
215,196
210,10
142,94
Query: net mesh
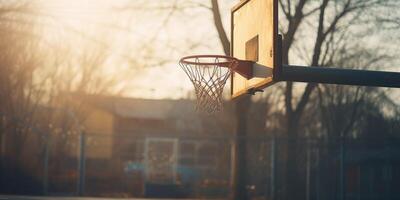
209,80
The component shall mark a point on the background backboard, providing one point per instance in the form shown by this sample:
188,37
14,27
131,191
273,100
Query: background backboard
254,34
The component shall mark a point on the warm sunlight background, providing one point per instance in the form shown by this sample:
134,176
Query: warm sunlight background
146,42
143,40
69,127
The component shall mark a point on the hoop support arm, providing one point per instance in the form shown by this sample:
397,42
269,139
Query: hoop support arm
339,76
244,68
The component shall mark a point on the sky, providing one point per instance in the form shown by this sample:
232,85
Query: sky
138,36
131,32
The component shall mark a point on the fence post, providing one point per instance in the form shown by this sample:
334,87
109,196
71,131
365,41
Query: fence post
308,168
318,170
273,167
46,164
387,170
81,164
342,169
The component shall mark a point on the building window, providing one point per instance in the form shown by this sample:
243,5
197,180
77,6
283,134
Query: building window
187,154
201,155
132,150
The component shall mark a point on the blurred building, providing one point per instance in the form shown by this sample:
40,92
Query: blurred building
124,147
161,144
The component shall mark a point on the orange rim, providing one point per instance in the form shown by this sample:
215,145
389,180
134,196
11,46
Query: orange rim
228,63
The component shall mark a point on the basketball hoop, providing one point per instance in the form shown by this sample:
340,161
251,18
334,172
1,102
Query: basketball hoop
208,74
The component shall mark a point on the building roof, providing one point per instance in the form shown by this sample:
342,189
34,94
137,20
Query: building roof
181,112
144,108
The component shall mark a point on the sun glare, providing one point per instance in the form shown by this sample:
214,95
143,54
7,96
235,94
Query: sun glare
73,14
76,12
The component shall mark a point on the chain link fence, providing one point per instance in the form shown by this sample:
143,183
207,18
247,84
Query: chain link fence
179,166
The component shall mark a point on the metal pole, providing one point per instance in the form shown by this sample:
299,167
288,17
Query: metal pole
81,164
3,151
273,167
46,165
339,76
387,170
308,169
359,182
342,169
318,180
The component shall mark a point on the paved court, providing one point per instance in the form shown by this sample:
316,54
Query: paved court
5,197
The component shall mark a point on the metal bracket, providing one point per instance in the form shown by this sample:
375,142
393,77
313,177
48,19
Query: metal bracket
253,91
244,68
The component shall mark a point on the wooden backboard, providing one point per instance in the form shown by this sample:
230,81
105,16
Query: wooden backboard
254,34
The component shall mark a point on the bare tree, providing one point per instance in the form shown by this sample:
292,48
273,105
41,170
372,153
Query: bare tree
36,77
18,64
330,18
238,180
323,25
337,101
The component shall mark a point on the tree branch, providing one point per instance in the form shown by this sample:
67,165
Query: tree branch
304,99
288,97
287,13
294,24
219,26
320,34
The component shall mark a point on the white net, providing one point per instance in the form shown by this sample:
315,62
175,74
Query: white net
208,75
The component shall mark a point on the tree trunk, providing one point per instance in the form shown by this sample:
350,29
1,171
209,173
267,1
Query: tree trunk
238,179
292,122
